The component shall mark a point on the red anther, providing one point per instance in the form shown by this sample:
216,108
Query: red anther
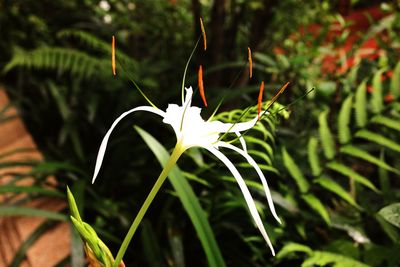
201,85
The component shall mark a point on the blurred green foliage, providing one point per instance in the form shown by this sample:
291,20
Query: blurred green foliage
332,165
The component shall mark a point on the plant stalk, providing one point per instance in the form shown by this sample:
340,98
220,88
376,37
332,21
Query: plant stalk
176,153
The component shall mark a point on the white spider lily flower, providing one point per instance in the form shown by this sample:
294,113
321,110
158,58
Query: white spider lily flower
192,131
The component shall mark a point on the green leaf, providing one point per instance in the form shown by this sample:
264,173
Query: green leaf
313,157
344,121
72,205
323,258
346,171
362,154
25,211
295,171
189,201
360,105
291,248
395,82
30,190
317,205
385,121
391,213
379,139
377,93
337,189
328,143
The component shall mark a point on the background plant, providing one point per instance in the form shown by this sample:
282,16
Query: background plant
333,165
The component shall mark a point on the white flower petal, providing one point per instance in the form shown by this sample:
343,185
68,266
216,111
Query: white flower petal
238,127
246,194
252,162
103,146
242,142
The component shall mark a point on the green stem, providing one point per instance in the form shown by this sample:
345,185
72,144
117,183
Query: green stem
176,153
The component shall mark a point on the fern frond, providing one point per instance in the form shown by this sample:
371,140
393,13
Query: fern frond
59,59
291,248
360,105
337,189
395,82
267,148
313,157
327,141
324,258
385,121
295,171
378,139
346,171
362,154
377,93
90,40
344,121
316,205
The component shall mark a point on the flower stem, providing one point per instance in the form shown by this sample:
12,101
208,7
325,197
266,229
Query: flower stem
176,153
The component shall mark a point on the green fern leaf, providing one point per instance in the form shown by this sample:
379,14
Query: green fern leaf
295,171
395,82
316,205
377,93
346,171
385,121
328,143
59,59
291,248
361,105
323,258
337,189
313,158
378,139
344,121
362,154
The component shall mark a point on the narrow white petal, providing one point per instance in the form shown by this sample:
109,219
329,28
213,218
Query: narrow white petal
246,194
242,142
103,146
252,162
238,127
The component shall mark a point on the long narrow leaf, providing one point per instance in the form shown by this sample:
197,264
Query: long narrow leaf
295,171
343,169
328,143
189,201
379,139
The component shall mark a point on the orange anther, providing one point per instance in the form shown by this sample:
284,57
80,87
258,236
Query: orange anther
201,86
113,65
250,62
260,96
277,95
203,32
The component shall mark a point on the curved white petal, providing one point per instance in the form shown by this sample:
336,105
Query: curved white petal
237,127
246,194
242,141
252,162
103,146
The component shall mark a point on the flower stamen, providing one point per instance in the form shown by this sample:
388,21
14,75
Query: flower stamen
201,86
203,33
260,96
250,62
113,65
